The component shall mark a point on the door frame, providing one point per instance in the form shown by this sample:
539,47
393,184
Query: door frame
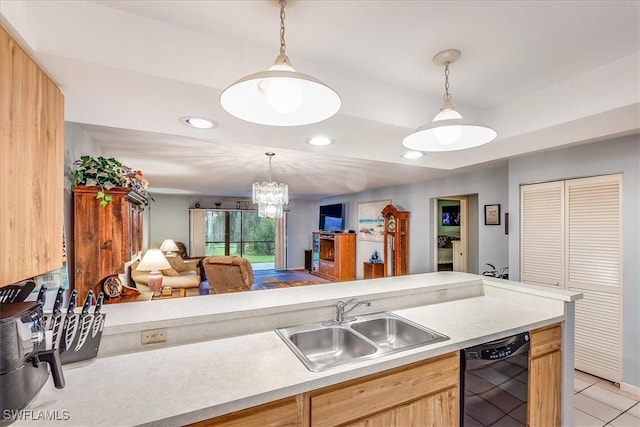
464,229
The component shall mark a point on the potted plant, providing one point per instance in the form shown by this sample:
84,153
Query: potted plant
501,273
106,173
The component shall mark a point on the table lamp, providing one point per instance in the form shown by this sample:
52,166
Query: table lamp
169,247
153,261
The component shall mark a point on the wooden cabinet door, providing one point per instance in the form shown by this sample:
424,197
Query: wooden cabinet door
436,410
545,377
425,392
31,166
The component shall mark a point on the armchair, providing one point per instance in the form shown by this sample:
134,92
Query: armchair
228,273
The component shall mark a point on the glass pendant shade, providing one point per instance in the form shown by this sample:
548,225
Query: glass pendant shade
449,134
280,96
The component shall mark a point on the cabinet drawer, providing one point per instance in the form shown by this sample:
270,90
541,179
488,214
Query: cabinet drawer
327,268
545,340
357,399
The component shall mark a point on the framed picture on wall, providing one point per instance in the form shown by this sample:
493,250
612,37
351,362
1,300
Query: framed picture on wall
491,214
370,221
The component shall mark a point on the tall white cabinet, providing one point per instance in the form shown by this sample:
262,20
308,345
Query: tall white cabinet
571,238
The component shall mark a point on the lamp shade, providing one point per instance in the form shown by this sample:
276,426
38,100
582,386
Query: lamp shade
248,100
464,134
169,245
153,261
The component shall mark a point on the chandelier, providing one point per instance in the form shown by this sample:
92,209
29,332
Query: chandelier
270,196
449,131
280,96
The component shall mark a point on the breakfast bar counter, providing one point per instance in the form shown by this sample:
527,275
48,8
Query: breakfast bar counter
222,354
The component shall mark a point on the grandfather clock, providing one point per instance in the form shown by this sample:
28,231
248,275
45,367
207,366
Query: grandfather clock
396,241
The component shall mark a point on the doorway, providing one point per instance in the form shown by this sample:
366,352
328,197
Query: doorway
451,234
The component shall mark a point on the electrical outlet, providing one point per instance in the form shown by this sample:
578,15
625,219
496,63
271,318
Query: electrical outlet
442,293
153,336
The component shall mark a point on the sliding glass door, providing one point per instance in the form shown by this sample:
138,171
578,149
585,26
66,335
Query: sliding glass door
240,233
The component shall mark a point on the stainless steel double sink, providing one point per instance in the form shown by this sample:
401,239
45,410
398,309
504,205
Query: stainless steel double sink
325,345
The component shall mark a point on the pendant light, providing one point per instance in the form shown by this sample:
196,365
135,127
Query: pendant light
449,131
270,196
280,96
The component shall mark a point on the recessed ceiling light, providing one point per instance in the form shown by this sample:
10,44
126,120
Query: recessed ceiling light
412,155
320,140
198,122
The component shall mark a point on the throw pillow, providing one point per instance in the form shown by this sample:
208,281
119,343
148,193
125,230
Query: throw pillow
169,272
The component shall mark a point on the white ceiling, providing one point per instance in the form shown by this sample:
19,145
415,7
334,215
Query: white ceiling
544,74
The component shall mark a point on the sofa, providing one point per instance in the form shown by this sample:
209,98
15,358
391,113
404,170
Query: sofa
228,273
183,274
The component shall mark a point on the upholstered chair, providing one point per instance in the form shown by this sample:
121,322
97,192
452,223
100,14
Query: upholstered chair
228,273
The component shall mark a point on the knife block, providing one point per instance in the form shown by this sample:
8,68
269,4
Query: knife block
85,342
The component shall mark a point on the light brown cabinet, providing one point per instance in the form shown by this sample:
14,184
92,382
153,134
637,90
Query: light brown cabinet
31,166
425,394
334,256
104,237
545,377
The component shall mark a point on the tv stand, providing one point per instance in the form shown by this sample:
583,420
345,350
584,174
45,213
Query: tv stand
334,255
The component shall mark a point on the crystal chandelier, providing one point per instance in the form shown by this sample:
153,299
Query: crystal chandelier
270,196
449,131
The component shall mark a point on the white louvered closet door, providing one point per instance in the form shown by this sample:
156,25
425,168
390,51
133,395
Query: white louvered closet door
542,233
594,267
571,237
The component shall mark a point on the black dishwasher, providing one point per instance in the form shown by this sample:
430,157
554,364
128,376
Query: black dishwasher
494,383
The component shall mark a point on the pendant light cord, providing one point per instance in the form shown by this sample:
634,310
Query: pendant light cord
447,95
283,45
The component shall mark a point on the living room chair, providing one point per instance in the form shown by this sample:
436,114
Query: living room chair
228,273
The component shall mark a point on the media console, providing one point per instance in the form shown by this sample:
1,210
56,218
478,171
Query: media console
334,256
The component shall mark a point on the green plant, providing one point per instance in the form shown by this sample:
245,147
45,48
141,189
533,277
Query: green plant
102,172
501,273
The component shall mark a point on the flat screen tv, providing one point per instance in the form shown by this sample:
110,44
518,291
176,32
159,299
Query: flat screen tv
451,216
331,217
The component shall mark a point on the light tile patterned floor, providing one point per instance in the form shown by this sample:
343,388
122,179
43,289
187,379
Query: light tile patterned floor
599,403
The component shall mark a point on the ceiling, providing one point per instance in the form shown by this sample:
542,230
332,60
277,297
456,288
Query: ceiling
543,74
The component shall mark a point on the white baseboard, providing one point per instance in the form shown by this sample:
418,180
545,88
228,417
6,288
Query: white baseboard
630,389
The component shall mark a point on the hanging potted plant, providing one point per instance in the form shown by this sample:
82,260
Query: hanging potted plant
106,174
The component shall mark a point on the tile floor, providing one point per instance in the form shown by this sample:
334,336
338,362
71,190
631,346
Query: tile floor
598,402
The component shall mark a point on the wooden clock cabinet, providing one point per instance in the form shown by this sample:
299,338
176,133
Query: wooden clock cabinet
396,241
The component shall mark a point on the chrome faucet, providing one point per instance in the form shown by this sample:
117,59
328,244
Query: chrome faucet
341,308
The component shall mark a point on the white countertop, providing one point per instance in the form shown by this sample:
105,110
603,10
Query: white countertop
190,382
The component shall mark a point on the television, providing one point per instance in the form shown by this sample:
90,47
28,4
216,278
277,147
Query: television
331,217
451,216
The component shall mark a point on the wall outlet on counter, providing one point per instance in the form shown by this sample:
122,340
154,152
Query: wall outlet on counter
153,336
442,294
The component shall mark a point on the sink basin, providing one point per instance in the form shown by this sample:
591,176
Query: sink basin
321,346
393,333
330,346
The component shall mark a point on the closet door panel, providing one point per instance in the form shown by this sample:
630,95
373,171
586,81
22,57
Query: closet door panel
542,234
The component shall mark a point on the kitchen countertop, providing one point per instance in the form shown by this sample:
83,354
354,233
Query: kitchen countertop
189,382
